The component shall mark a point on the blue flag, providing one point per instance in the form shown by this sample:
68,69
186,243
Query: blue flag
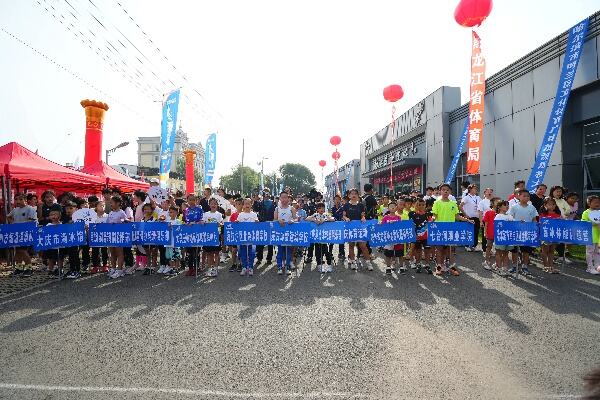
459,149
450,233
151,233
210,158
565,83
60,236
18,235
294,234
111,235
167,136
392,233
196,235
243,233
327,232
516,233
554,230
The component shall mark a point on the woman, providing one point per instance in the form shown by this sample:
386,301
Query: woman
557,193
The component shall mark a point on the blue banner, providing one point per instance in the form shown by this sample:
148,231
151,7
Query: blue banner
60,236
565,83
294,234
392,233
327,232
151,233
167,136
242,233
450,233
358,231
111,235
553,230
195,235
18,235
460,146
210,158
516,233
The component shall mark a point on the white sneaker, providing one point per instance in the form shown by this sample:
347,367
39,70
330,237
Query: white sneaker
329,269
250,271
320,268
370,266
413,265
130,270
167,270
161,269
567,261
222,259
280,271
212,272
110,271
117,273
486,266
468,249
243,272
353,265
592,271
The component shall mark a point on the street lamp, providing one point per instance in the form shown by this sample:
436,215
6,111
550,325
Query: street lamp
262,173
114,149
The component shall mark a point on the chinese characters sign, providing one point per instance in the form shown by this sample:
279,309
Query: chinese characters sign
60,236
476,107
565,83
242,233
450,234
18,235
295,234
196,235
111,235
516,233
565,231
151,233
392,233
328,232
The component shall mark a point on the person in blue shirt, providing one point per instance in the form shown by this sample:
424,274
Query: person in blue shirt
337,212
192,215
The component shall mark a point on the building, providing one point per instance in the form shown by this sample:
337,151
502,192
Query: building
518,101
149,151
348,177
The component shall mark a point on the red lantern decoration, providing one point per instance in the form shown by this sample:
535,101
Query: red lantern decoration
322,163
335,140
336,155
393,93
470,13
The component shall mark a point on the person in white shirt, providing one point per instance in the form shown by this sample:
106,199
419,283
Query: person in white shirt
247,252
20,214
469,205
482,208
212,217
284,214
502,251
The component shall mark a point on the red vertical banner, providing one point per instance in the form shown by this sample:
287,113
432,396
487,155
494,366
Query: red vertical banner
190,155
476,107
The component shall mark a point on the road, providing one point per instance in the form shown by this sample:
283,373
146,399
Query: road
345,335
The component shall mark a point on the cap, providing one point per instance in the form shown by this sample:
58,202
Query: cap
154,180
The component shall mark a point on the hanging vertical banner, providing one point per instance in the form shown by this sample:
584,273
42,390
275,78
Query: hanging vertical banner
210,158
476,107
459,149
167,136
565,83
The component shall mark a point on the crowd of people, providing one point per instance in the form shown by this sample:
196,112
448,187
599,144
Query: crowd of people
436,204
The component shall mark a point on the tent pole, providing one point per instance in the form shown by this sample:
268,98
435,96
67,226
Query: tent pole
4,196
8,200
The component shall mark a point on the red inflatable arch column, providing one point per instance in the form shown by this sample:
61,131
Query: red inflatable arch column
94,122
190,155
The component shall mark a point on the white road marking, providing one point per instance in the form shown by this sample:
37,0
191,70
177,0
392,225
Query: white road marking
180,391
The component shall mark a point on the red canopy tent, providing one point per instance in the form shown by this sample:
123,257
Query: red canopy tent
28,170
114,178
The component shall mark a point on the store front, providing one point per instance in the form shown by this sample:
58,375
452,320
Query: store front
404,181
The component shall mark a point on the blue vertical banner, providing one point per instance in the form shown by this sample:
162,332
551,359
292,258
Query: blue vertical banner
210,158
459,149
565,83
167,136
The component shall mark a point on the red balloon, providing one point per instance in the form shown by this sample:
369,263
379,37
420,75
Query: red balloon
322,163
393,93
470,13
336,155
335,140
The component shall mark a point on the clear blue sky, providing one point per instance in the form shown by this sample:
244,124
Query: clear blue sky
284,75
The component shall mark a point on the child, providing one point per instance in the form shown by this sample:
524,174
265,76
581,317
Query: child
22,213
337,211
300,212
321,248
502,251
246,252
408,208
172,253
420,217
116,216
284,214
592,251
53,255
148,215
99,254
238,204
393,252
212,252
355,210
488,223
192,215
446,210
523,211
73,252
549,210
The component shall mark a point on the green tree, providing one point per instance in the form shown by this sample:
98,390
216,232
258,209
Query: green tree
232,181
297,177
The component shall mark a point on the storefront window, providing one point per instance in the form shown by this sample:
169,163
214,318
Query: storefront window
462,176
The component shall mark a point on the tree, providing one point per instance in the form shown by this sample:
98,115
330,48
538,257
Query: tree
232,182
297,177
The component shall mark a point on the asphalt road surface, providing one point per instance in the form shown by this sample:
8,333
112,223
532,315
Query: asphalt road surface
345,335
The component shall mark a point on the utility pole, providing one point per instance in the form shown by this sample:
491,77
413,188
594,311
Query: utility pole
262,173
242,171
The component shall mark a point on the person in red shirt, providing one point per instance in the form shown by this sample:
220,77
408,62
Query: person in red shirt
549,210
488,219
235,264
393,252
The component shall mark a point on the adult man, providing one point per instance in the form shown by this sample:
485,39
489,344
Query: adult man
266,212
469,205
537,198
204,201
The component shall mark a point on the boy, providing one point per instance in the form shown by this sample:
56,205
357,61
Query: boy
319,217
117,259
20,214
284,214
354,210
592,252
523,211
246,252
73,252
446,210
192,215
238,204
393,252
212,252
420,217
172,253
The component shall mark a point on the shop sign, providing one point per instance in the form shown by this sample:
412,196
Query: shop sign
395,155
400,176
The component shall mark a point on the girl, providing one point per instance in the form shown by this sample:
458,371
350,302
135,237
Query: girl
117,216
150,252
549,210
172,253
393,252
246,252
488,223
238,204
212,252
422,252
126,206
502,251
355,210
284,214
55,259
321,249
99,254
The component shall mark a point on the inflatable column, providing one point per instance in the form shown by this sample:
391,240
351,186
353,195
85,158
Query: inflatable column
190,155
94,121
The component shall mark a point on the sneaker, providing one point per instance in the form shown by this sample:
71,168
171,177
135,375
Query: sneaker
438,271
233,268
148,271
167,270
468,249
27,273
592,270
288,271
512,270
130,270
250,271
239,268
353,265
502,272
243,272
413,265
486,266
428,270
525,271
388,271
402,269
370,266
329,269
279,271
320,268
84,269
291,267
105,269
453,271
161,270
171,272
117,273
17,272
110,271
73,275
94,270
419,269
222,258
308,260
212,273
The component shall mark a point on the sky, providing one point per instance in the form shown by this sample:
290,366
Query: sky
283,76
